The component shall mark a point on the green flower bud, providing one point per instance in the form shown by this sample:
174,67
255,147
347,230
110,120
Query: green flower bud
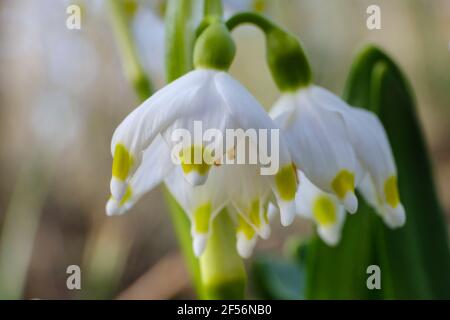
285,57
287,61
214,48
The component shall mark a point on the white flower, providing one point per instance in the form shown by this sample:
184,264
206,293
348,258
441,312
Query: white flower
339,147
247,203
142,144
323,208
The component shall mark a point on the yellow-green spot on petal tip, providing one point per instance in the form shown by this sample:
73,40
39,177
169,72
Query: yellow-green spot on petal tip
254,213
202,216
324,211
122,162
391,191
286,183
343,183
127,196
245,228
195,158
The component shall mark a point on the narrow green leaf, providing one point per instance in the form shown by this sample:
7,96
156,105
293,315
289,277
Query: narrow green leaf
425,234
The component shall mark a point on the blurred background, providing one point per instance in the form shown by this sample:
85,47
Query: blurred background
63,92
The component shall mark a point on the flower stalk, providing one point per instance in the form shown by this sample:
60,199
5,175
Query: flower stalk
133,68
285,56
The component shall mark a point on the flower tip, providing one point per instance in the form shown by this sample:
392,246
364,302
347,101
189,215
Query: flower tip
287,213
264,232
272,211
245,246
112,207
350,202
395,217
195,179
330,236
118,188
199,243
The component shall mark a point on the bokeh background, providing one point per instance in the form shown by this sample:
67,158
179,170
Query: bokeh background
63,92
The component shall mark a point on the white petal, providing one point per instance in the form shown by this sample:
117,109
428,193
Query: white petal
287,212
249,113
117,187
272,211
142,126
368,191
318,141
375,154
199,243
245,246
306,198
112,207
350,202
394,217
155,166
248,192
191,198
330,235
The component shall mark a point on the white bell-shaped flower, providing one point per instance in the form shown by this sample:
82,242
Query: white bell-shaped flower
339,147
142,149
319,143
211,97
240,187
321,207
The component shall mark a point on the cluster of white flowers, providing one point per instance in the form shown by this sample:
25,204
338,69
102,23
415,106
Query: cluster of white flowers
327,149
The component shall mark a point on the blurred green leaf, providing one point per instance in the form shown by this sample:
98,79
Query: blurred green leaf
414,260
275,278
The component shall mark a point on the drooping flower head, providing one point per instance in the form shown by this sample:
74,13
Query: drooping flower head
143,149
337,147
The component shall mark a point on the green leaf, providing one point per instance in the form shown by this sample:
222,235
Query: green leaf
414,260
275,278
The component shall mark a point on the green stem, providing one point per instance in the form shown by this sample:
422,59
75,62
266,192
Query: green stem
180,36
213,8
133,69
285,56
249,17
223,273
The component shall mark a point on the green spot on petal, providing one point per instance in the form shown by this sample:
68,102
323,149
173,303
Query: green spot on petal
343,183
126,196
245,228
254,213
202,216
194,158
324,211
391,191
122,162
286,183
